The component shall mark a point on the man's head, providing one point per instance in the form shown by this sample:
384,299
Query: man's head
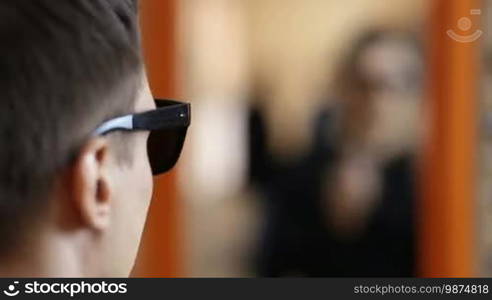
66,67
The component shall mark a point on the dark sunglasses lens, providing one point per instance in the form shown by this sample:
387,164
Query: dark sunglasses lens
164,148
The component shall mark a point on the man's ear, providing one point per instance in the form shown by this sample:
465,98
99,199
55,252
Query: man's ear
91,185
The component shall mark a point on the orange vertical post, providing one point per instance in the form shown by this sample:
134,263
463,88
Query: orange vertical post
161,244
447,211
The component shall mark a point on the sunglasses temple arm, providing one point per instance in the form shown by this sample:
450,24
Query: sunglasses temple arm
120,123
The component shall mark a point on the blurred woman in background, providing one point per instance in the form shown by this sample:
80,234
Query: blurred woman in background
370,203
345,207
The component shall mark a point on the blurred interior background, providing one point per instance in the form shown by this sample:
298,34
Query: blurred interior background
329,138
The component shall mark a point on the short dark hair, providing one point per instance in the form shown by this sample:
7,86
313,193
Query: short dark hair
63,67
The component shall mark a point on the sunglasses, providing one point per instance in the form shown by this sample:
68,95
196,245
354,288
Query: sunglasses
167,124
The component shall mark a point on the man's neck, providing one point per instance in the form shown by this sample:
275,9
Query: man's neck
50,256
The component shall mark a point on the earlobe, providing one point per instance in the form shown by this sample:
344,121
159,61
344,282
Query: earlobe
91,186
